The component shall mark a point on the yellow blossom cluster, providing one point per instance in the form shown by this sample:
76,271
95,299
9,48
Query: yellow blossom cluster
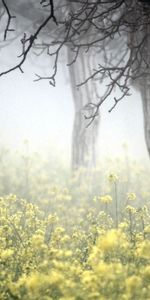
106,199
76,252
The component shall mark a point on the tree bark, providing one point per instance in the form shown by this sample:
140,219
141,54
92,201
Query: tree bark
145,94
143,83
84,137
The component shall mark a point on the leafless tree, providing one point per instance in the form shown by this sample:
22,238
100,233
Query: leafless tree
107,41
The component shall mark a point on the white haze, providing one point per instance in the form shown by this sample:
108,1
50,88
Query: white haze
44,115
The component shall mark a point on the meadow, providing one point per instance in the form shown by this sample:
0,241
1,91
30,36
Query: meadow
74,236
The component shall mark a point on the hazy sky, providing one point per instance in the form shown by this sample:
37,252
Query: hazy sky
44,115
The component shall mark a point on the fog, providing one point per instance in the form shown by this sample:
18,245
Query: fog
43,114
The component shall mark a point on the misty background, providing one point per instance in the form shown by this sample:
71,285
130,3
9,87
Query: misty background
43,115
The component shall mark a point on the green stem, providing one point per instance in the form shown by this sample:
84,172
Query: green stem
116,204
106,208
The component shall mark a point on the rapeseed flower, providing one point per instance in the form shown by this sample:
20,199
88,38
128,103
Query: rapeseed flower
112,178
133,283
144,249
6,254
131,196
130,209
106,199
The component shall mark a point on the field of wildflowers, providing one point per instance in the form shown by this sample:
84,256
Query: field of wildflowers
79,237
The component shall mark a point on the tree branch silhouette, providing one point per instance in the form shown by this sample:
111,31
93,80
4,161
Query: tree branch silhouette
116,32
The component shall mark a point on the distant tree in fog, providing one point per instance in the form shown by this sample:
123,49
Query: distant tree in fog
106,41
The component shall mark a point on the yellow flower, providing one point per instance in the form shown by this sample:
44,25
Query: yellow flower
130,209
109,241
106,199
51,219
65,238
131,196
7,253
144,249
123,226
113,178
147,229
146,273
95,199
37,240
33,281
89,279
132,283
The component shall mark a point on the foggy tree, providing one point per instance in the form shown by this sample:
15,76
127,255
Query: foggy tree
83,139
107,42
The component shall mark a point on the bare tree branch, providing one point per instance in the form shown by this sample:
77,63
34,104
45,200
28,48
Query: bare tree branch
114,32
30,40
10,17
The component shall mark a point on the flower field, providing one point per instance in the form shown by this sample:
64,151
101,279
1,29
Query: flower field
68,241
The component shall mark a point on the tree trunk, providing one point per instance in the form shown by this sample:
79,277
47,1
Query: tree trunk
139,44
145,94
143,83
84,137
